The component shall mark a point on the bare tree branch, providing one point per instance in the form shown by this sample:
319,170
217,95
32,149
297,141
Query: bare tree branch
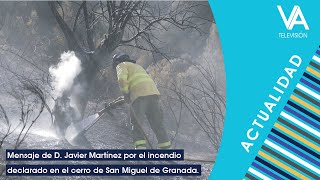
5,115
77,16
71,40
89,30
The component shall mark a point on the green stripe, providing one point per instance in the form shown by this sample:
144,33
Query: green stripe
141,147
136,82
165,144
140,142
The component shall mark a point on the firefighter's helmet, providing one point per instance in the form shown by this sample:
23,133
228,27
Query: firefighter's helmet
121,57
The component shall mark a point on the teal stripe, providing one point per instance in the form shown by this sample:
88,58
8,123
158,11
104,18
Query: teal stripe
253,175
313,83
289,150
287,164
270,169
315,61
274,163
283,162
308,117
298,133
312,100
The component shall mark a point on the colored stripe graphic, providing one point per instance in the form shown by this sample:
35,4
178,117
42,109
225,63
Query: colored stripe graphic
288,162
299,130
307,97
311,78
303,103
297,137
314,72
266,171
315,65
250,177
317,96
292,148
283,166
290,155
274,168
300,116
310,85
257,173
299,123
313,116
294,143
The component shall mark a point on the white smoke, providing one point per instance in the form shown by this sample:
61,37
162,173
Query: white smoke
64,72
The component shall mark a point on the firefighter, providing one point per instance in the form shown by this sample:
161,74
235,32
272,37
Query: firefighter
141,92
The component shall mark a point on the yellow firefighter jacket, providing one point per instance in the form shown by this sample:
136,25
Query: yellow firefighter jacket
135,80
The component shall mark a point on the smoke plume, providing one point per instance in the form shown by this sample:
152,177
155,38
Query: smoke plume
64,72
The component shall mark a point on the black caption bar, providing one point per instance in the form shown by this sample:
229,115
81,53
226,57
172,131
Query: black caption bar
87,155
103,170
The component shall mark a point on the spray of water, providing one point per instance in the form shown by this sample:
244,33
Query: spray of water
64,72
63,76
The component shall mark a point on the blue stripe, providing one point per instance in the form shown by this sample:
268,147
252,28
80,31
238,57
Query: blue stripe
309,84
303,110
266,171
269,169
274,168
310,77
293,149
295,143
315,140
299,116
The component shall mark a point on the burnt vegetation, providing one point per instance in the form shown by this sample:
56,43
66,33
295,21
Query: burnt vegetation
34,34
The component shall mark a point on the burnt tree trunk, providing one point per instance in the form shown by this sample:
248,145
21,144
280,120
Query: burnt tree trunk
127,23
90,63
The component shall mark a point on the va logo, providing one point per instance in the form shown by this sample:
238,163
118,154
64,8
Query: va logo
296,14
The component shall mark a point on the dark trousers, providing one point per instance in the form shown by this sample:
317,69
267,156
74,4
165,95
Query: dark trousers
148,106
